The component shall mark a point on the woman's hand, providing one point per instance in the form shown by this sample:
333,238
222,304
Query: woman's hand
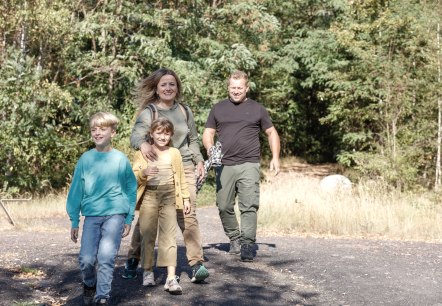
200,170
148,152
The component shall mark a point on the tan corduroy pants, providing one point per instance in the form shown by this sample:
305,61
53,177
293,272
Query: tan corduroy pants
188,224
158,214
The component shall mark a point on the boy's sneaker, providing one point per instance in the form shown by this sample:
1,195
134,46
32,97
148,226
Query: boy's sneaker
247,252
130,268
172,285
148,278
88,295
102,302
235,247
199,273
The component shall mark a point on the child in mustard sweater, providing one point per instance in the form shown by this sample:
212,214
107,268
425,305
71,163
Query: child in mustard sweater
162,189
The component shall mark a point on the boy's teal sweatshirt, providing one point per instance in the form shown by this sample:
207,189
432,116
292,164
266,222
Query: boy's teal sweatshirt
103,185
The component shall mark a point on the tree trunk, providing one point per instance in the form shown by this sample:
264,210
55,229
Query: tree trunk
437,182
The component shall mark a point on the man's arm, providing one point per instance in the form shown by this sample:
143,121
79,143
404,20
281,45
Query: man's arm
208,138
275,147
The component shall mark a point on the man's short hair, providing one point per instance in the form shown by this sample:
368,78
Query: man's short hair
238,75
104,119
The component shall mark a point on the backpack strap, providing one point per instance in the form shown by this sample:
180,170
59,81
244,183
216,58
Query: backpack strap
185,110
153,111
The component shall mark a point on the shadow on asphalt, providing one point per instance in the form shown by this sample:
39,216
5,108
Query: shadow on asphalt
231,283
224,247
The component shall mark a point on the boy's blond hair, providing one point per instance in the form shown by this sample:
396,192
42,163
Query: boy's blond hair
104,119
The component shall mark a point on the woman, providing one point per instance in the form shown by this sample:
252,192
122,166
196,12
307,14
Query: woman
158,96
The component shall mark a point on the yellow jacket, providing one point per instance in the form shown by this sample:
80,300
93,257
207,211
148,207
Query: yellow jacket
181,189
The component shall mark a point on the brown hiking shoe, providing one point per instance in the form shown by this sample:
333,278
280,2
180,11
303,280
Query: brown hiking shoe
235,247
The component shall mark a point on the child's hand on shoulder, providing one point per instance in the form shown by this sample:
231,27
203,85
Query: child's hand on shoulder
150,171
126,230
187,208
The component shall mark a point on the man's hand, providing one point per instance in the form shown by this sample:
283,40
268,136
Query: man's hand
209,152
200,170
74,234
126,230
187,207
148,152
274,166
275,147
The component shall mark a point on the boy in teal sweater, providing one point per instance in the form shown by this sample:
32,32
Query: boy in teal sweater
104,190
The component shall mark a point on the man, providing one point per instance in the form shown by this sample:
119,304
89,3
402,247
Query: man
237,122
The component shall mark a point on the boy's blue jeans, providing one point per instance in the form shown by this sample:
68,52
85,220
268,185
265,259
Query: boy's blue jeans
100,243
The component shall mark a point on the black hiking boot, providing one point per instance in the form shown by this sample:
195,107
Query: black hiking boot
130,268
88,295
247,252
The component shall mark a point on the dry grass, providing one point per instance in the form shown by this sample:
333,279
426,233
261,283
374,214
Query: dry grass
295,204
36,214
292,203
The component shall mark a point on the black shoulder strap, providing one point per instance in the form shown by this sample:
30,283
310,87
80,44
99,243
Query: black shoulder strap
153,111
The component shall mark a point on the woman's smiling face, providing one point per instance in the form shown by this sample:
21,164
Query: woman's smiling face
167,88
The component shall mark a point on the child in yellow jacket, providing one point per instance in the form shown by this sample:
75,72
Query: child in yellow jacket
162,189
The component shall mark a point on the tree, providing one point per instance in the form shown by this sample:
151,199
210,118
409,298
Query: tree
384,92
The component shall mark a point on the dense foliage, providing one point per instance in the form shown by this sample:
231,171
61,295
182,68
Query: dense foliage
357,82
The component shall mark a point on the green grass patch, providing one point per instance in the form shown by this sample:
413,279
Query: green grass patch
207,195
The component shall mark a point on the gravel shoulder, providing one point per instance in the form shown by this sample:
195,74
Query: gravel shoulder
41,268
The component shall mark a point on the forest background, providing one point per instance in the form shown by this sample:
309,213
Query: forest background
353,82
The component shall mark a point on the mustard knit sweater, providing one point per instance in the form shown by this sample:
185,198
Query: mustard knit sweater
181,189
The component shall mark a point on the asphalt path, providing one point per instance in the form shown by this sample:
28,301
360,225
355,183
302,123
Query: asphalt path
286,271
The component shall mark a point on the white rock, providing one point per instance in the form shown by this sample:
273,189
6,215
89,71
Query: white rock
335,183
